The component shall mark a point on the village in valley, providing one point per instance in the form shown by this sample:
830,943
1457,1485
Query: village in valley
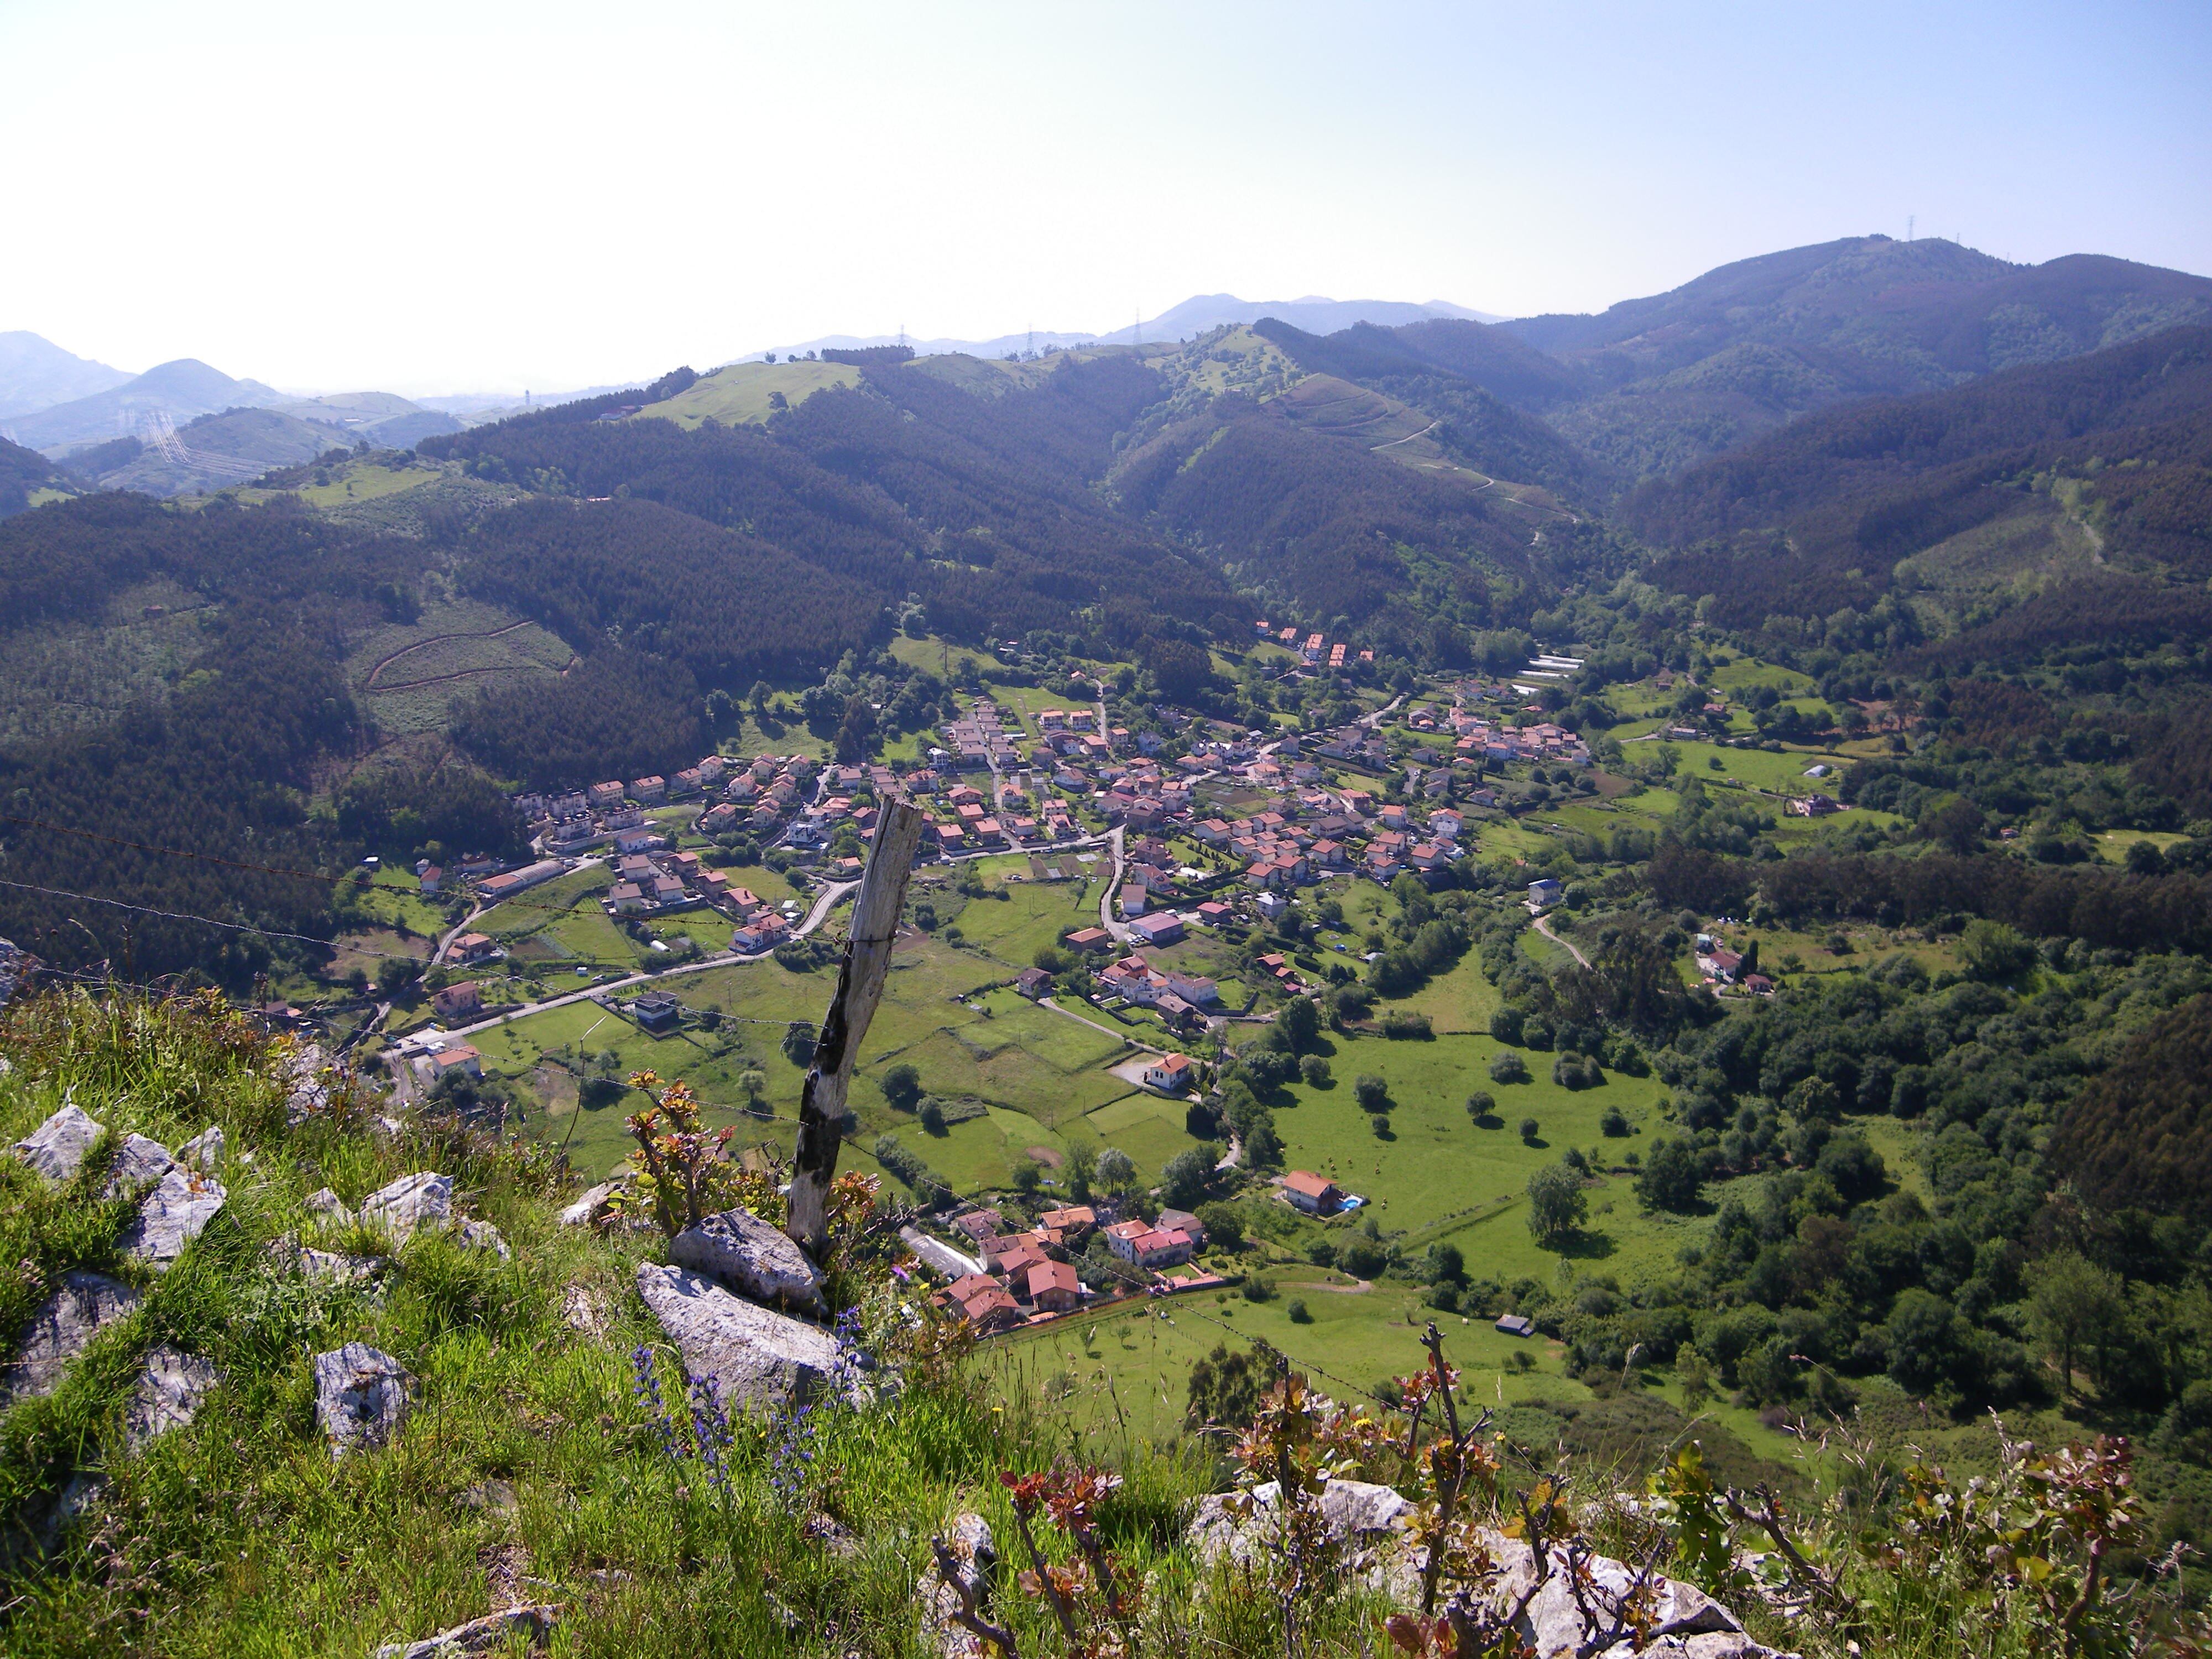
1159,885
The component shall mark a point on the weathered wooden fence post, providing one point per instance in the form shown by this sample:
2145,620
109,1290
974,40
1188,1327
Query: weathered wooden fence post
860,987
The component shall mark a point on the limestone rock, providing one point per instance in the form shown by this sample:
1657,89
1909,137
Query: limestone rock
971,1542
325,1205
743,1253
1369,1519
138,1164
1552,1625
583,1311
204,1151
169,1396
334,1267
63,1325
305,1090
754,1357
585,1210
494,1632
423,1199
174,1214
57,1146
482,1235
361,1396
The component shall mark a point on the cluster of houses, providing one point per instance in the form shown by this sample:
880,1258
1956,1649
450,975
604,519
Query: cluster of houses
752,795
1030,1275
662,882
1317,650
1488,742
1722,966
1310,836
1181,999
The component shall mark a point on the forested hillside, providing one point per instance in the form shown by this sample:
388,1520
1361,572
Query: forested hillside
2065,473
21,472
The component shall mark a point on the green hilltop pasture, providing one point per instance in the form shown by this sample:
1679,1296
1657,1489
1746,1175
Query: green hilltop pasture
741,394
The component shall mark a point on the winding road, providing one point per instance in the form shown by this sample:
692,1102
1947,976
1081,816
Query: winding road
1545,928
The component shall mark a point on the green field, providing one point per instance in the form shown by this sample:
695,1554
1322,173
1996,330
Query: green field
366,481
739,395
1043,1075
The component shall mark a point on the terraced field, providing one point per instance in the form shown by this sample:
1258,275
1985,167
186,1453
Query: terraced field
409,675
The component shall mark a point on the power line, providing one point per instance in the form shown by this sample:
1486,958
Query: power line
258,869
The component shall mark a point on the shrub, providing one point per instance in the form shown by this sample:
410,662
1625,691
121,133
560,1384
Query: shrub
1314,1070
1481,1105
1296,1309
1576,1071
1259,1288
1671,1176
1613,1123
1398,1023
1529,1130
1509,1067
1363,1258
1373,1093
1380,1123
932,1114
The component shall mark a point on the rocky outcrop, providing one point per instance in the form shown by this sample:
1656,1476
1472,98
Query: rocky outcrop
585,1210
361,1397
63,1328
334,1267
1368,1520
583,1311
204,1151
743,1253
325,1206
754,1356
57,1148
139,1164
305,1089
170,1389
175,1214
482,1235
976,1554
493,1633
423,1199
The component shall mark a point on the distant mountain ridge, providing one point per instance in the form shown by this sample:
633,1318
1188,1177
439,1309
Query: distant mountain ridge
1313,315
178,392
36,373
1655,384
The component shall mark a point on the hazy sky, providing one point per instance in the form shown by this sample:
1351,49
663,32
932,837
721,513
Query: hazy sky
454,197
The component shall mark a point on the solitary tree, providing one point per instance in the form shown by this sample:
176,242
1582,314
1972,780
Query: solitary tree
2071,1305
902,1086
1117,1170
1373,1093
1557,1205
752,1083
1184,1180
1081,1161
1299,1023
